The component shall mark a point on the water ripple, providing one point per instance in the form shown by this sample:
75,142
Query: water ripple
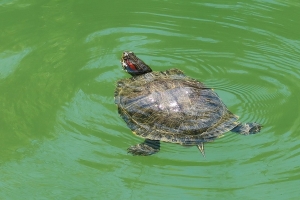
248,52
133,30
255,81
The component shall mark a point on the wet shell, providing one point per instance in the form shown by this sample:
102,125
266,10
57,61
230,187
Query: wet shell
172,107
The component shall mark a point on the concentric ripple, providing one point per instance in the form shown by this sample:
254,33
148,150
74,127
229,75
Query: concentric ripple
57,98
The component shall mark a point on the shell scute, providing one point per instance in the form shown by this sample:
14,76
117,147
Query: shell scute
172,107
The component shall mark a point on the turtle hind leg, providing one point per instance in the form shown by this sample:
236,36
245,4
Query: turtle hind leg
247,128
147,148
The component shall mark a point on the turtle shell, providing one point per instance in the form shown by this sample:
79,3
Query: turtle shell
172,107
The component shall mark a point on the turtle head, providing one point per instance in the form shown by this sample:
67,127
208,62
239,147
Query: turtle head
133,65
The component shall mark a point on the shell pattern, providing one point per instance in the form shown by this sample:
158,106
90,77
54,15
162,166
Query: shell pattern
172,107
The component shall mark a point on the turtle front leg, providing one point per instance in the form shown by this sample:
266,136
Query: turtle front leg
147,148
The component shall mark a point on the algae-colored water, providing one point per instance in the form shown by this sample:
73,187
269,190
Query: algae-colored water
62,138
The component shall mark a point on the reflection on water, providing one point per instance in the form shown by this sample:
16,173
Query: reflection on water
10,61
61,136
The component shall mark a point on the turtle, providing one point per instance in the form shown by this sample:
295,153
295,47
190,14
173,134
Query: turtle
170,106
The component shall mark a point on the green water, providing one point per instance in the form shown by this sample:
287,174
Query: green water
60,133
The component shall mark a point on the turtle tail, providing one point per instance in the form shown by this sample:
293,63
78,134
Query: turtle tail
247,128
201,148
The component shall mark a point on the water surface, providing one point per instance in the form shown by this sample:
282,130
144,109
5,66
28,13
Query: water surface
60,133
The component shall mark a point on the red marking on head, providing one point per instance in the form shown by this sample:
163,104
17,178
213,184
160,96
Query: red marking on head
131,65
